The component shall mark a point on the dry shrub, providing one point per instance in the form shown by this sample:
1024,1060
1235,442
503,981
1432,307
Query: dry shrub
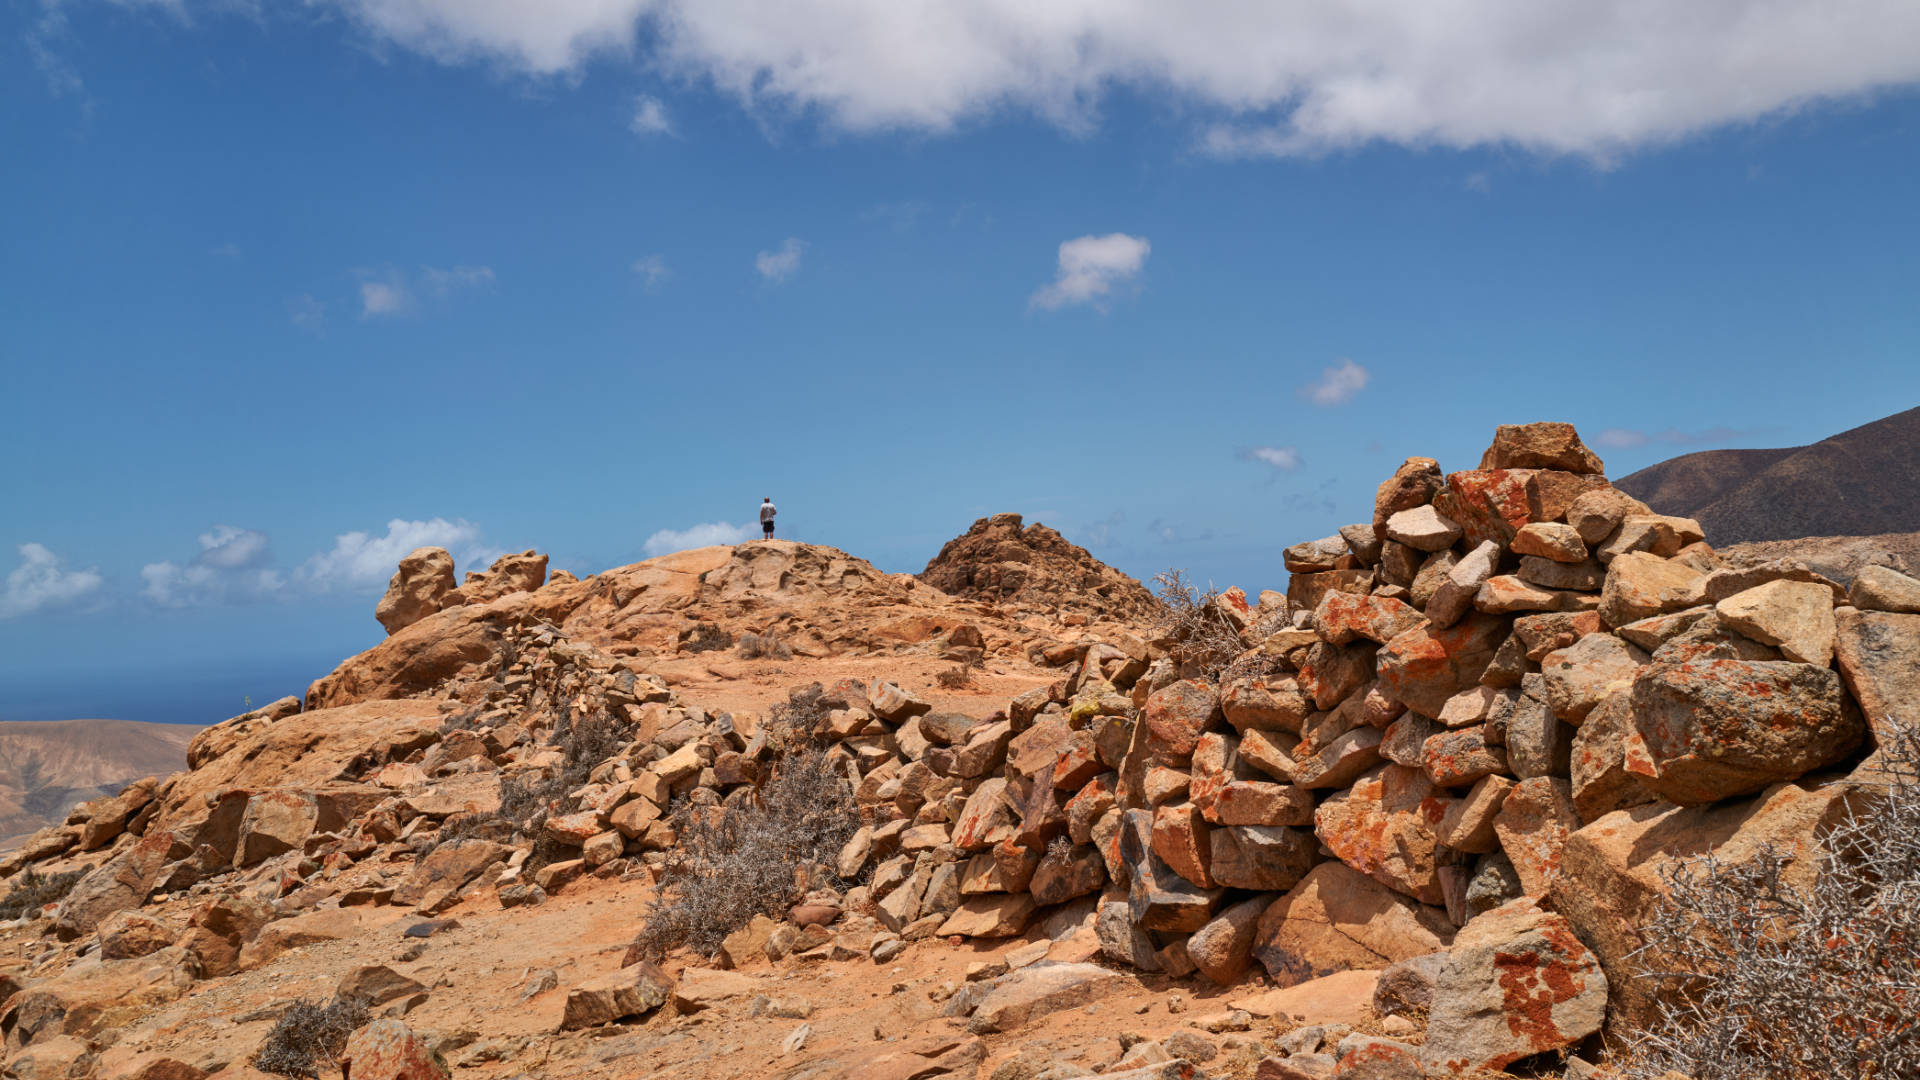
33,890
957,677
708,637
791,724
734,863
764,646
527,799
308,1036
1767,975
1201,641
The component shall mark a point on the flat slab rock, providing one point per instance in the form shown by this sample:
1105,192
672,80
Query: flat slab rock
1345,997
1031,993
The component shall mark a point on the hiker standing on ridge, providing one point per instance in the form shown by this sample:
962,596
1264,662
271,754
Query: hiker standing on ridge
766,517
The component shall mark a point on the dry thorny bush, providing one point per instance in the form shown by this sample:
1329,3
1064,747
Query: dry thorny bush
957,677
733,863
528,799
309,1035
33,890
708,637
1203,642
1783,969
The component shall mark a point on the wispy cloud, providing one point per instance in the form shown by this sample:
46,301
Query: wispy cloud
232,566
653,271
1481,182
1100,533
1091,268
781,264
1628,438
1337,385
445,282
650,117
1277,458
41,583
307,313
384,299
706,534
225,251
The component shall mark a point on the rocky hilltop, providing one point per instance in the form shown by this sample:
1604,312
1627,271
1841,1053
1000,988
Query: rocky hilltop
47,768
1036,568
1407,820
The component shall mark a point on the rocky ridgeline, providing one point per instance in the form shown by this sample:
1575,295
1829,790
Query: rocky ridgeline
1446,767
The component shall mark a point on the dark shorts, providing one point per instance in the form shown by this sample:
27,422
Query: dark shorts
767,527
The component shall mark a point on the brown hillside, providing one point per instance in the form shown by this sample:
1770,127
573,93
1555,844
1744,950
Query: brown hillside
1857,483
46,768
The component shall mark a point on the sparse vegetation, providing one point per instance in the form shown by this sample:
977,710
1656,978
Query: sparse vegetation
308,1036
1766,970
33,890
957,677
792,723
1203,642
734,863
707,637
764,646
526,800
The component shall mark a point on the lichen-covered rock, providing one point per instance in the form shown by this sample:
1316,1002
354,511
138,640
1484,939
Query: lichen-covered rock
1714,729
1517,982
1795,617
1425,666
1384,826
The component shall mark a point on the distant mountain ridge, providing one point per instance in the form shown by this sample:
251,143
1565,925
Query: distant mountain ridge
1857,483
47,767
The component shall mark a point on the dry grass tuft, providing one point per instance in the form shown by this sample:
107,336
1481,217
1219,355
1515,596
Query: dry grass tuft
764,646
308,1036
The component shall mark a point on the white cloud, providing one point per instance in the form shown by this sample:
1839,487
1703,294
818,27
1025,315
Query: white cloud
1090,268
231,566
1554,76
1338,384
39,583
780,265
707,534
362,561
650,117
1280,458
443,282
653,270
389,297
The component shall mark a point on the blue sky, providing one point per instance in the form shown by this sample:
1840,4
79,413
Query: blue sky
288,289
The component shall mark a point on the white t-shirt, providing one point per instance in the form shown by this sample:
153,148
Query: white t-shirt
766,512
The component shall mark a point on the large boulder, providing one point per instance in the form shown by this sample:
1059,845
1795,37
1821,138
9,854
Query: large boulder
1548,444
1610,884
437,879
1516,983
1337,919
459,641
418,589
1713,729
522,571
1641,585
